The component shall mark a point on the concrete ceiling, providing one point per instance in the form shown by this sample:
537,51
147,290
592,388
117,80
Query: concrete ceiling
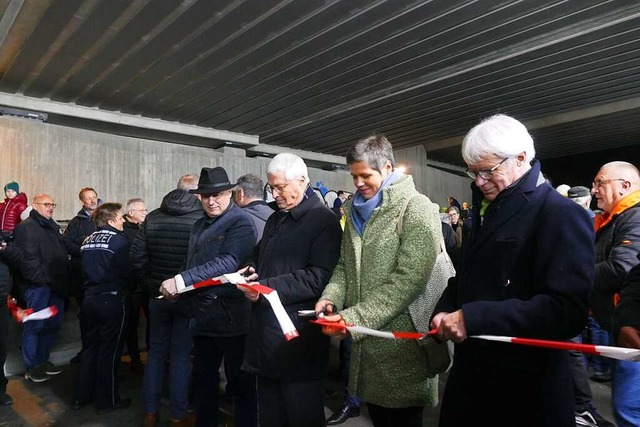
317,75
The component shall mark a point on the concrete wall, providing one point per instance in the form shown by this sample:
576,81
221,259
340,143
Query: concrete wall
436,184
57,160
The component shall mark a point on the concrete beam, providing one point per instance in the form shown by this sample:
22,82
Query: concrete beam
447,166
316,158
71,111
552,120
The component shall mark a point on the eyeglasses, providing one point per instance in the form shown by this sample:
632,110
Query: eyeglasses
600,182
277,188
485,173
47,205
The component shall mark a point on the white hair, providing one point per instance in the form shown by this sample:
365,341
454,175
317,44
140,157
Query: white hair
290,165
563,189
500,136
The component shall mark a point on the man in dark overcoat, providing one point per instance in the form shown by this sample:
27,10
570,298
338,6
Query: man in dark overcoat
526,271
299,249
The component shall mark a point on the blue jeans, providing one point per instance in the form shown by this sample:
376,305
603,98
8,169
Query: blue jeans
38,335
345,362
625,392
598,336
169,337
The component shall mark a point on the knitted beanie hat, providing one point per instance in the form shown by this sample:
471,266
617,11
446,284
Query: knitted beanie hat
12,186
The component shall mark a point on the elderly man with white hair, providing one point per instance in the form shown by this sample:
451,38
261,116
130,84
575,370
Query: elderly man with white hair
525,272
296,256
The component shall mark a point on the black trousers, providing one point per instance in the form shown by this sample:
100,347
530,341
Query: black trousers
97,375
581,387
208,354
392,417
134,302
291,404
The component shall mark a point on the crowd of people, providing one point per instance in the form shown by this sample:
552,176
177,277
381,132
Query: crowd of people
530,262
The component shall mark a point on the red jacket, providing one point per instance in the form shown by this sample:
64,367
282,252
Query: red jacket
10,211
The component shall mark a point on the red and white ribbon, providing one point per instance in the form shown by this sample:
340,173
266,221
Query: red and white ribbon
393,335
288,329
43,314
620,353
27,314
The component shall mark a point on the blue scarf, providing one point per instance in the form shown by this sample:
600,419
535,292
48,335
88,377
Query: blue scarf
361,209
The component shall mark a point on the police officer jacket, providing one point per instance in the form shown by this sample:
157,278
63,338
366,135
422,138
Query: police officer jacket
105,261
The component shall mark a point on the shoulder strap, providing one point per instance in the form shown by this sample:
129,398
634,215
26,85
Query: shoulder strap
401,215
400,219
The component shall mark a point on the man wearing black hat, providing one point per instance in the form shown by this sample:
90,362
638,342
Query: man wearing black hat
219,243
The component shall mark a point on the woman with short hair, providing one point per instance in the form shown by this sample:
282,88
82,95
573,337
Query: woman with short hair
380,273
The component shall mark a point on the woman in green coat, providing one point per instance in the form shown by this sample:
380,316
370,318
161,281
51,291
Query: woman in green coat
380,272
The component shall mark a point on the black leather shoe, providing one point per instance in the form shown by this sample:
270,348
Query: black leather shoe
343,414
121,404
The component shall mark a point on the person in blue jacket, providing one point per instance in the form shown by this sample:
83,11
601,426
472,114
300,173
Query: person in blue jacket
219,243
106,270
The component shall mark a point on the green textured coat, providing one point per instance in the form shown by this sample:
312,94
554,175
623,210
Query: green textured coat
377,277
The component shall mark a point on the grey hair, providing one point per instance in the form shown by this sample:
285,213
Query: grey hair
130,203
444,217
188,182
583,201
251,185
290,165
500,136
375,150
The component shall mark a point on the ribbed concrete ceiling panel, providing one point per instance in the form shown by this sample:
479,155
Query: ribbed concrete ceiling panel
317,75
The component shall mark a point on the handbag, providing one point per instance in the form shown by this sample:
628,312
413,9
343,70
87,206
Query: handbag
439,354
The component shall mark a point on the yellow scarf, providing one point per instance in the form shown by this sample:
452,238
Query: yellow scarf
622,205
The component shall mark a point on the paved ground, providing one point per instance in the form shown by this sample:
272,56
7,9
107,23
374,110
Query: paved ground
47,404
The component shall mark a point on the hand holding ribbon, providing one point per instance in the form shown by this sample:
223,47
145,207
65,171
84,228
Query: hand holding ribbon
326,311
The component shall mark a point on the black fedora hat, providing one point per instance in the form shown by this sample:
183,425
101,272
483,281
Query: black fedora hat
212,180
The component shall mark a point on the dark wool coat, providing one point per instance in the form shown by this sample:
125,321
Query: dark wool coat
160,248
296,256
526,272
45,260
617,249
218,246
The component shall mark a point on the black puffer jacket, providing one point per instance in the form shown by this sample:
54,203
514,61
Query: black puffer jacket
160,248
617,248
45,260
